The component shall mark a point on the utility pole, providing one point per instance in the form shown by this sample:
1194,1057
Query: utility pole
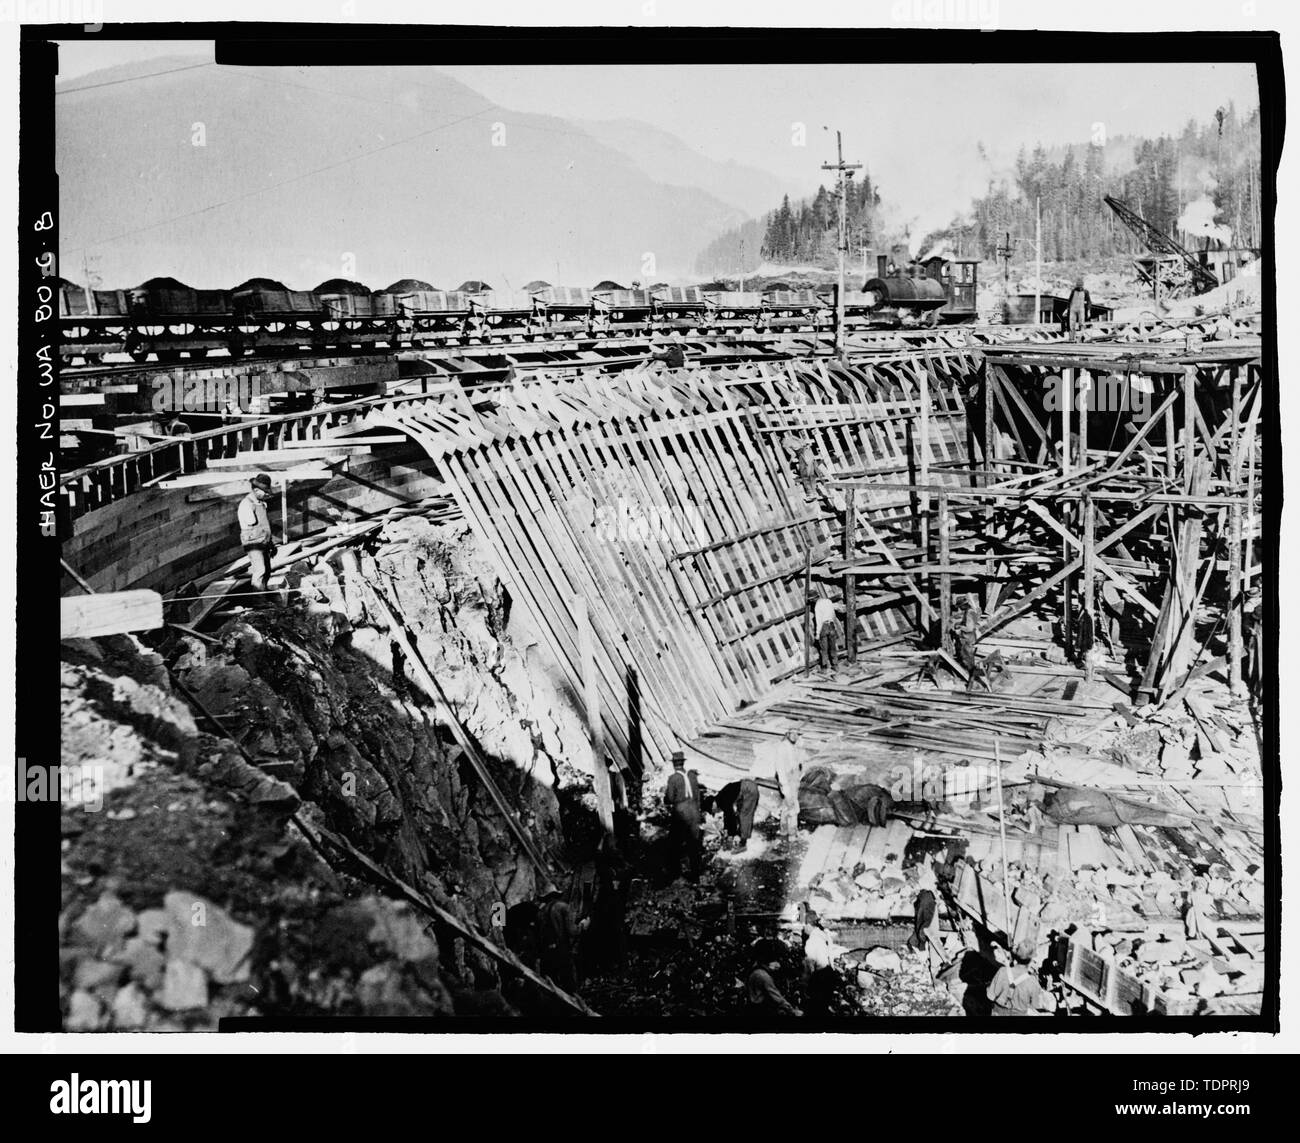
1004,252
1038,259
845,172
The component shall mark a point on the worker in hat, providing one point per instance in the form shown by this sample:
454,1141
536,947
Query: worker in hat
557,939
255,530
682,797
1076,309
1015,989
763,999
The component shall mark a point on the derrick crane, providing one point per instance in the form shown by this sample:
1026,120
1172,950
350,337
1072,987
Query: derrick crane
1202,278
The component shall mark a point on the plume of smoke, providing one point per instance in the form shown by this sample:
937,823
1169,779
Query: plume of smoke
1198,219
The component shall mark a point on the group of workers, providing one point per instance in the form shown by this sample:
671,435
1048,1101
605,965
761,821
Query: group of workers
573,931
737,801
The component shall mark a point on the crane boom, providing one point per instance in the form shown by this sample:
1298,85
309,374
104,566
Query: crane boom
1202,278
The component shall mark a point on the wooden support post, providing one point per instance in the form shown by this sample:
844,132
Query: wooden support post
850,580
1088,611
284,510
1067,402
1236,594
1189,425
591,703
1236,602
807,610
1088,385
1002,837
924,496
990,437
1171,443
945,577
1248,564
415,661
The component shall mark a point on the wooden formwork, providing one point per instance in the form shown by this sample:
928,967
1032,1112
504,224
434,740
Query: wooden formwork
655,531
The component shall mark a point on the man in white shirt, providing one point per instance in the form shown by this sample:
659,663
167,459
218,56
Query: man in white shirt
826,631
788,759
255,530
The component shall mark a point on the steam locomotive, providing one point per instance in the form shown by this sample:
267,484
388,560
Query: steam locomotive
930,292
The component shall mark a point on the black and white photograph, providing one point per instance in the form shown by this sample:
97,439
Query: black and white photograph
755,531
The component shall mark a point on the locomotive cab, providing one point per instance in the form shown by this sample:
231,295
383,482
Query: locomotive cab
961,283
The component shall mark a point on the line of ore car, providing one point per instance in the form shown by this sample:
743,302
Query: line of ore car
168,319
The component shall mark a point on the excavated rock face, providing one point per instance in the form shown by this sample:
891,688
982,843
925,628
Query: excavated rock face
324,690
320,697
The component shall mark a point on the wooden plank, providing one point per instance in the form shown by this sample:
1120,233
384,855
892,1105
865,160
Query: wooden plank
109,613
1132,848
835,853
897,834
814,860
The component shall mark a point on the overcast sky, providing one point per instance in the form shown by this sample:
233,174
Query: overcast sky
915,126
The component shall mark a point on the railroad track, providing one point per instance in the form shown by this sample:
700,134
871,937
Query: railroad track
778,343
791,342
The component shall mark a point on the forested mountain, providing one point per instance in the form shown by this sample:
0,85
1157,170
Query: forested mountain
803,233
1202,184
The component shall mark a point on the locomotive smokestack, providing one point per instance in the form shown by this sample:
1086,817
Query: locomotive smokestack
882,265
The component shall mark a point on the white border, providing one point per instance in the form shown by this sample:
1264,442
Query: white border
1099,15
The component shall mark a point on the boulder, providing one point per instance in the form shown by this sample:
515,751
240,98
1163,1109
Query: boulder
205,935
84,1013
185,986
881,959
143,960
129,1007
105,924
91,974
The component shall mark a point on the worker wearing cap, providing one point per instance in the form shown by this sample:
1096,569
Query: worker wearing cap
255,530
1015,989
682,797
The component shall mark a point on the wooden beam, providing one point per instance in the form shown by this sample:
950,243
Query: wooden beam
591,703
850,580
429,684
807,610
109,613
945,578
